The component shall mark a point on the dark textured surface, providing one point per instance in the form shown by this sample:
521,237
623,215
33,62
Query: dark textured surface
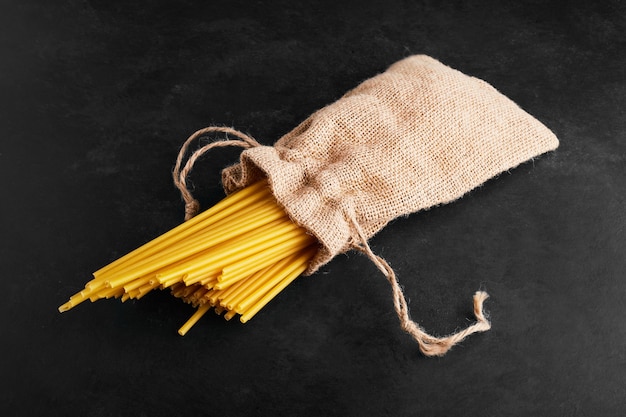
95,99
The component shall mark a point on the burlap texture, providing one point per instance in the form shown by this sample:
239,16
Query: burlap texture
416,136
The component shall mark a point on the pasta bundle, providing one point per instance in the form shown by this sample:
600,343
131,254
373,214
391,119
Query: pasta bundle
235,258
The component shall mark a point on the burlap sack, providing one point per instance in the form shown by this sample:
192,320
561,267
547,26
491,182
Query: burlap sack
419,135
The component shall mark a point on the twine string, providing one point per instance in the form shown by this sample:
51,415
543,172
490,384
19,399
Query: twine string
192,207
429,345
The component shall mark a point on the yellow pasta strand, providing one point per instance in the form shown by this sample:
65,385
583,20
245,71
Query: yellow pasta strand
194,319
230,314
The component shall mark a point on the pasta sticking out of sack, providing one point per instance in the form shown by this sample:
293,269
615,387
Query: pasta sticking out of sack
418,135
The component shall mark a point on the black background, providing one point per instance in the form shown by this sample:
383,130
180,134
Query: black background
97,96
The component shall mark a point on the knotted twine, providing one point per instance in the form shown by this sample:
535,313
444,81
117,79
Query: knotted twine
416,136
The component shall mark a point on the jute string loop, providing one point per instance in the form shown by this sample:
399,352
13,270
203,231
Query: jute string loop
180,175
429,345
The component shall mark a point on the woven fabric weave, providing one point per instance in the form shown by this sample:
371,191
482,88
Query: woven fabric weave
418,135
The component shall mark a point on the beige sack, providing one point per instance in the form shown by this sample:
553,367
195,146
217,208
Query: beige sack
418,135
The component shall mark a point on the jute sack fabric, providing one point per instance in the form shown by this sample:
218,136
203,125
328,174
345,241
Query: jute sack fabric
418,135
